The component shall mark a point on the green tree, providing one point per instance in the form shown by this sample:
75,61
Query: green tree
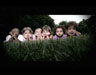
64,23
92,24
83,26
35,21
88,25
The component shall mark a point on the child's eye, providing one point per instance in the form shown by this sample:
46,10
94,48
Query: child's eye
61,31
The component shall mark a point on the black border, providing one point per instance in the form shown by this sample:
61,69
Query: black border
46,10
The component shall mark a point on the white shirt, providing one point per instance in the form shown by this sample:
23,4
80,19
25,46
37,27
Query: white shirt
7,38
34,37
21,38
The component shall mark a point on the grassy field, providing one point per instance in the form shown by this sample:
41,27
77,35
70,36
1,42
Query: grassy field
70,49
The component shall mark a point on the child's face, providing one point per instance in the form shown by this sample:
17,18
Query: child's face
38,32
27,34
59,32
71,31
46,33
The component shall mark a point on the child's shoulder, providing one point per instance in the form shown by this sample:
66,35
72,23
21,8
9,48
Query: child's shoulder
20,35
21,38
54,36
7,38
65,35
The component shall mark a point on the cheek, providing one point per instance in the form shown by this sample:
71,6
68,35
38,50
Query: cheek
38,33
62,33
48,33
30,35
25,35
57,33
43,33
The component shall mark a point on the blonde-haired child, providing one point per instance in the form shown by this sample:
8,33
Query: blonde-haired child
46,32
27,34
38,34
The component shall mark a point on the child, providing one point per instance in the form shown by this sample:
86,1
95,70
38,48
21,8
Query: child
59,33
14,33
71,29
38,34
27,34
46,32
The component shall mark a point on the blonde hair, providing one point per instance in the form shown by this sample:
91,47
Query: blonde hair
37,29
48,28
27,28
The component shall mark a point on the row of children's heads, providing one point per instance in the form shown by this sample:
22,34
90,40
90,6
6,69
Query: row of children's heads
69,29
58,30
45,29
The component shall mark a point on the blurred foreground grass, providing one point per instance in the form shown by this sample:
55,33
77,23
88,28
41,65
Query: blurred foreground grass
70,49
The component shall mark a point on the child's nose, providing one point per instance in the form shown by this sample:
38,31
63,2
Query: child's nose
71,32
27,35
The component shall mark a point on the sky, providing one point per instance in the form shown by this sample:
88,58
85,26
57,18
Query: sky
77,18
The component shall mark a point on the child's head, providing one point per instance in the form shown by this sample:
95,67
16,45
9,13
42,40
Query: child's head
46,30
71,28
14,31
27,32
38,31
59,31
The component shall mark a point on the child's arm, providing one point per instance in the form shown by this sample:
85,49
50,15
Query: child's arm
51,36
13,37
30,38
43,36
78,33
40,37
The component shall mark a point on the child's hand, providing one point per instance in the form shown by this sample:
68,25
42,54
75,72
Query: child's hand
43,36
13,35
30,37
78,33
39,37
51,36
47,37
36,34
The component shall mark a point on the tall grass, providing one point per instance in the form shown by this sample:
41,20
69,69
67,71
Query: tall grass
70,49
